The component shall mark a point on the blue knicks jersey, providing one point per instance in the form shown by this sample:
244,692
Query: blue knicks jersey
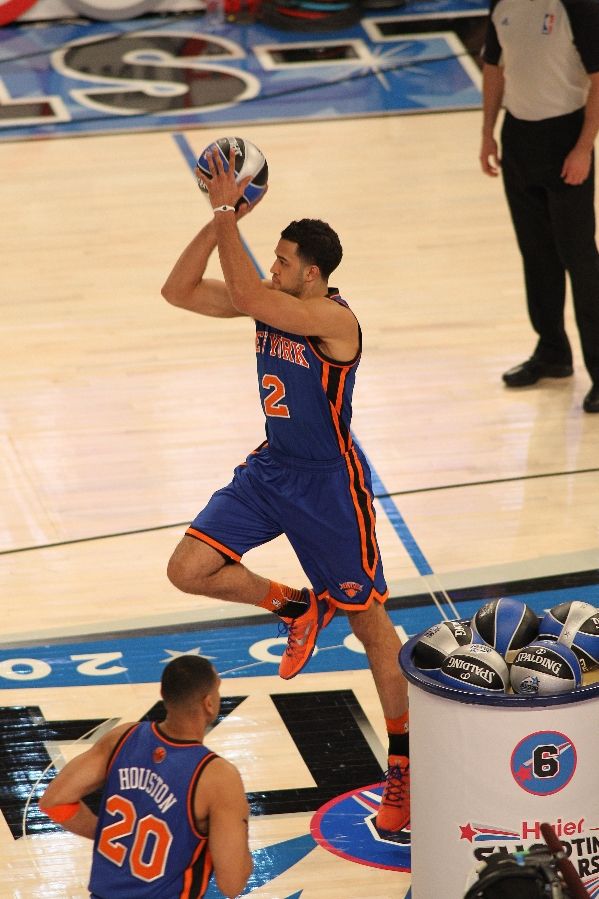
146,843
306,397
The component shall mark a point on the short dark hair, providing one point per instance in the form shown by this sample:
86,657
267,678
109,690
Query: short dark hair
317,244
187,678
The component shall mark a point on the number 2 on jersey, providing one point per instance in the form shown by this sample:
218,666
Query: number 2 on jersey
272,401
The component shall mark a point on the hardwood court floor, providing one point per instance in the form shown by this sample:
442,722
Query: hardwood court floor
120,416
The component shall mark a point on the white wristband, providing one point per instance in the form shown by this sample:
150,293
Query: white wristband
223,209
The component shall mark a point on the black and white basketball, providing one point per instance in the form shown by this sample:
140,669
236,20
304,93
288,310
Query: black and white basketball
249,161
575,624
435,644
544,668
506,625
477,668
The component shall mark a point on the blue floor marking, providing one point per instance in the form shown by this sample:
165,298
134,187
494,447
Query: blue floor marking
237,651
270,862
399,525
188,154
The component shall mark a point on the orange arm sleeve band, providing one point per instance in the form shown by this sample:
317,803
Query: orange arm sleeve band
61,813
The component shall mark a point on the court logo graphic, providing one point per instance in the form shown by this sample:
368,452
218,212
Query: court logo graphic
345,827
544,763
12,9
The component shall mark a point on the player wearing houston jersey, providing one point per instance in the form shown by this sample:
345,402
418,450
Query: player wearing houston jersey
309,480
171,810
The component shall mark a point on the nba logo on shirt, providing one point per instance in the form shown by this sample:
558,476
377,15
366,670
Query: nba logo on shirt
548,22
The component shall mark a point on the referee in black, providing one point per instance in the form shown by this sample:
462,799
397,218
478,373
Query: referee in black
541,62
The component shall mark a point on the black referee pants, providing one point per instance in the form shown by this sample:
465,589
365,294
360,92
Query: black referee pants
555,229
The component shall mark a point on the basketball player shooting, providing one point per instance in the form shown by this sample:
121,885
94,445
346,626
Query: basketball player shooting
309,480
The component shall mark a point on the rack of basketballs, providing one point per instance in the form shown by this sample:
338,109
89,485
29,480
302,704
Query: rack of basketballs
506,647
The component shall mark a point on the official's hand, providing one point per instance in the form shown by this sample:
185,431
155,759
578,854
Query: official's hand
489,157
577,166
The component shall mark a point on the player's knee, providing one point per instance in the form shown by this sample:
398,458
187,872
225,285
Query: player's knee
179,574
368,624
361,625
183,571
191,567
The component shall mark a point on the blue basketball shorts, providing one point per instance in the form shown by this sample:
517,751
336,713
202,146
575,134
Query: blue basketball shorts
325,509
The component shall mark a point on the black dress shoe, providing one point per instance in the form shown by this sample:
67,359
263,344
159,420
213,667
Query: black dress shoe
531,371
591,400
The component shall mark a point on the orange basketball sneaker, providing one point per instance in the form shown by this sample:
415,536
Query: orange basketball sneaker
302,633
394,814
